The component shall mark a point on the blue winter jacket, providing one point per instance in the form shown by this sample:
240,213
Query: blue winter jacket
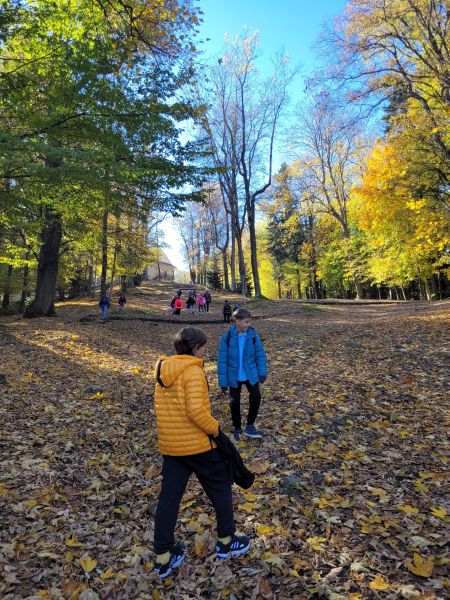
254,358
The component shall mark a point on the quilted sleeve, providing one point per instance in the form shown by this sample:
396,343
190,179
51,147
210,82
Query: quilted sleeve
260,355
222,362
197,401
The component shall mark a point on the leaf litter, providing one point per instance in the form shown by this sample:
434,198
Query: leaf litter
349,500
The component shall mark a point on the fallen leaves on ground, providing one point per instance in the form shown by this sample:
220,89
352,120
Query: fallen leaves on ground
349,498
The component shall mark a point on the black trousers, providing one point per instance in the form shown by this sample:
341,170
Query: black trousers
214,477
235,403
226,319
207,305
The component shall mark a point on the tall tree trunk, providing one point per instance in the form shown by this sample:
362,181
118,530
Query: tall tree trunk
7,288
434,287
25,282
359,288
43,304
117,248
428,290
104,252
90,277
254,251
226,282
233,260
299,286
242,268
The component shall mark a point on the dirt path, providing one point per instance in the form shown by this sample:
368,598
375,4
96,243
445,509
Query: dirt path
349,501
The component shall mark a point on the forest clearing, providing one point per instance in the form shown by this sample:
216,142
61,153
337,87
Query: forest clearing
351,474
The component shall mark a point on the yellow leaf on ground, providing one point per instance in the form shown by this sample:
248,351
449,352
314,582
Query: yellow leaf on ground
71,541
273,559
87,563
440,512
380,492
264,529
408,509
379,583
247,507
423,567
107,574
199,545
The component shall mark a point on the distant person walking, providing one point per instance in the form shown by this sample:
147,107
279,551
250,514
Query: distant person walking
207,297
178,306
227,310
201,303
122,302
190,304
104,304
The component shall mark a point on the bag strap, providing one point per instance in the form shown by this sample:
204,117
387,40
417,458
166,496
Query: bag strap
158,373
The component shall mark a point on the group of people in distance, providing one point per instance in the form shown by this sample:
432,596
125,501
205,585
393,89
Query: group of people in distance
187,431
104,303
202,301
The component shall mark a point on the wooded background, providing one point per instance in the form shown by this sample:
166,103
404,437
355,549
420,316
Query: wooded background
110,120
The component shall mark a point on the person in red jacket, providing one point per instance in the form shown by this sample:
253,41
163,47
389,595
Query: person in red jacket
184,424
178,305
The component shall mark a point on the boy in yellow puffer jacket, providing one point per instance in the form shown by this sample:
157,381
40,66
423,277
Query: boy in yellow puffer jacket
184,424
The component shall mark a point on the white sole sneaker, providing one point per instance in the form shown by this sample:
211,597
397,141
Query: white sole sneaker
253,436
224,555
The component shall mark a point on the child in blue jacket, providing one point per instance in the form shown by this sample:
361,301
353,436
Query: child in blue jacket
242,360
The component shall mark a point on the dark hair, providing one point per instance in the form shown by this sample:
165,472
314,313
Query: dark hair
242,313
189,338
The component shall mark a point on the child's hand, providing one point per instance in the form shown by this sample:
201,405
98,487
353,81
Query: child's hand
262,378
224,389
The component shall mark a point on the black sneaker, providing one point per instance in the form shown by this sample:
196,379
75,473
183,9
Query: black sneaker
176,558
239,545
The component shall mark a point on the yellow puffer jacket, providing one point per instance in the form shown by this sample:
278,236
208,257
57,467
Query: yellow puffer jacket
183,410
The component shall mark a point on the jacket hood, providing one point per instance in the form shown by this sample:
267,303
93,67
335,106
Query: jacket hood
171,367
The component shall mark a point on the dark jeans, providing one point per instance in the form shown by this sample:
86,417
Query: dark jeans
226,318
235,403
207,305
215,480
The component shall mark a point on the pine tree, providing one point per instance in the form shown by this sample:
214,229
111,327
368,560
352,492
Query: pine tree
213,276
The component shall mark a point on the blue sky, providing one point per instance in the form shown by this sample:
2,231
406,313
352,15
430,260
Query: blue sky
292,25
289,24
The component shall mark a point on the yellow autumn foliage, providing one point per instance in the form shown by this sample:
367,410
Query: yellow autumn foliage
406,235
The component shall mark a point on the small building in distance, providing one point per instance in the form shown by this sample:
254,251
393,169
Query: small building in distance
161,268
